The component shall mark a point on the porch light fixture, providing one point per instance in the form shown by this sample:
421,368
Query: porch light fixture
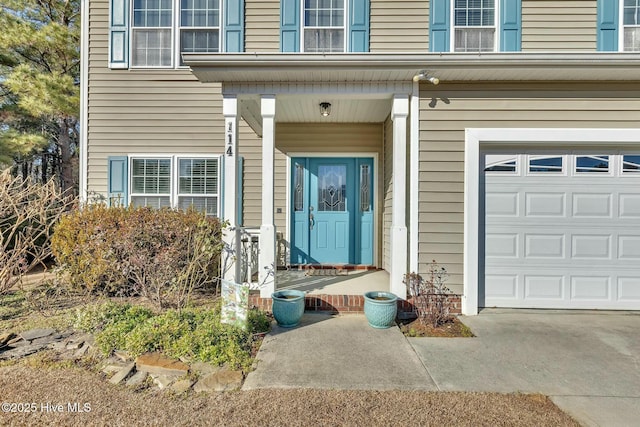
325,109
423,75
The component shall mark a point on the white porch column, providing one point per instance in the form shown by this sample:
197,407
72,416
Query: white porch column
230,263
399,113
267,252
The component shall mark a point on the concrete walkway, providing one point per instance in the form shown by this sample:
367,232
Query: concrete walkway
341,352
588,362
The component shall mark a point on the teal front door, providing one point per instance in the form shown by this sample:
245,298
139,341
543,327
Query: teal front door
332,210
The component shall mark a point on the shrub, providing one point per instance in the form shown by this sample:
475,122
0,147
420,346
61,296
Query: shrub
430,296
160,254
192,333
28,213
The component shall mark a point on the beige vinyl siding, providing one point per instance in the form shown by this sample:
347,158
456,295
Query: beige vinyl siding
144,112
387,189
262,26
549,105
312,138
550,25
399,26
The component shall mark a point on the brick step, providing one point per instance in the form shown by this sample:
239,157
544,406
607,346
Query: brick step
339,304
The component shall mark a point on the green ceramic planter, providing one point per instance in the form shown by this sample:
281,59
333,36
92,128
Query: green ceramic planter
380,308
287,307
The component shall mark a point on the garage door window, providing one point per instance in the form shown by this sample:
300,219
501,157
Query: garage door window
630,163
592,164
546,164
500,163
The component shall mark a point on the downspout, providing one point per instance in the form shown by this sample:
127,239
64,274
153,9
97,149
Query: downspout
414,173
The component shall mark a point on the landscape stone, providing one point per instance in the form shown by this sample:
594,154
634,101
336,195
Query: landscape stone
122,355
58,346
37,333
164,381
122,373
204,368
47,340
16,342
5,337
220,381
137,378
181,386
81,351
156,363
21,351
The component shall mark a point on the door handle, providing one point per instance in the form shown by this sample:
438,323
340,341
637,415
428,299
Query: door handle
311,219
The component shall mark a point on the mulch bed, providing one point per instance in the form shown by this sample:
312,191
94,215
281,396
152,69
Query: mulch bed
454,328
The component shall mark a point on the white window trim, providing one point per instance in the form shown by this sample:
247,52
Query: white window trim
452,21
175,176
175,36
344,27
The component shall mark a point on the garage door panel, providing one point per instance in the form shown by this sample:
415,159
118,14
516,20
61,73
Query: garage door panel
544,246
592,205
629,205
545,204
561,240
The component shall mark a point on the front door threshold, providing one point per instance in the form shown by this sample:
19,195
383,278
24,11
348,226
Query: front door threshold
339,267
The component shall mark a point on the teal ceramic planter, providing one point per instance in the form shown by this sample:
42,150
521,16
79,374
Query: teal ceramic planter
380,308
287,307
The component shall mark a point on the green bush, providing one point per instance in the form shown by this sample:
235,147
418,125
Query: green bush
161,254
194,333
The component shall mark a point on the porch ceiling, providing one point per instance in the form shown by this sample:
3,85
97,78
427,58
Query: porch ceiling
379,67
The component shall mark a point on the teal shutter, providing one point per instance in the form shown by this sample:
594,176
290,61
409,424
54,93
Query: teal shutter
290,25
234,26
439,26
358,25
117,180
119,34
608,22
510,25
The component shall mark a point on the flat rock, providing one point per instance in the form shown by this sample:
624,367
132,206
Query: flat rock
5,337
21,351
48,339
181,386
137,379
164,381
122,373
17,342
122,355
82,351
220,381
156,363
204,368
37,333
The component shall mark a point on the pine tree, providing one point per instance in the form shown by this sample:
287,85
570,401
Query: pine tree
39,81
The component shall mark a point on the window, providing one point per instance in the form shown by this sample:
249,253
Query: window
197,183
545,164
592,164
153,30
324,22
474,25
199,26
630,163
500,163
151,45
151,182
631,25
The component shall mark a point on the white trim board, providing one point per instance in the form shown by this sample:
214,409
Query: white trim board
477,139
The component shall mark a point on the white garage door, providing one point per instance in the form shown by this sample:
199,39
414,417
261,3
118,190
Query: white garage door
562,231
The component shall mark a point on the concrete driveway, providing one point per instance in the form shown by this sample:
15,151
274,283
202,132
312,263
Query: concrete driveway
587,362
